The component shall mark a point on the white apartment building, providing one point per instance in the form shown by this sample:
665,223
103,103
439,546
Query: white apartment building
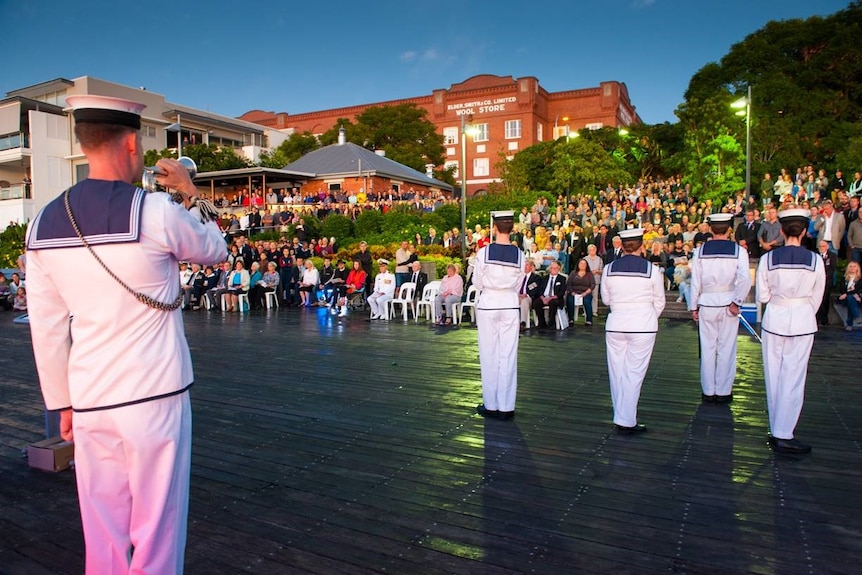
39,157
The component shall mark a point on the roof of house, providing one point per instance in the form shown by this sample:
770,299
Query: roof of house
352,160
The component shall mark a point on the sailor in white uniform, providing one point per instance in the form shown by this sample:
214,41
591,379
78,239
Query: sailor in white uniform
790,279
633,288
384,291
498,275
109,342
720,282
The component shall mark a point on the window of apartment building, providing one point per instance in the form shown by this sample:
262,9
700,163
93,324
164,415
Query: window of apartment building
481,167
513,129
148,131
481,131
540,135
450,136
596,126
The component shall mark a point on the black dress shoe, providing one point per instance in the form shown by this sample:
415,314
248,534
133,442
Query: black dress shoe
622,430
484,412
791,446
707,398
506,415
724,398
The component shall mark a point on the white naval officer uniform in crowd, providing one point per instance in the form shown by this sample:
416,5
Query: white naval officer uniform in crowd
498,275
122,366
791,281
633,288
384,291
719,277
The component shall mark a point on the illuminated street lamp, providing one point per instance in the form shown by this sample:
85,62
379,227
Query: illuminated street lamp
743,105
565,119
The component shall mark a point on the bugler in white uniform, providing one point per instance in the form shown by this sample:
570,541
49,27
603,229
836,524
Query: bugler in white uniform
634,290
791,281
122,365
498,276
720,282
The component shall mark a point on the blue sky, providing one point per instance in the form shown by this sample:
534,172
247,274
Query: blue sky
288,56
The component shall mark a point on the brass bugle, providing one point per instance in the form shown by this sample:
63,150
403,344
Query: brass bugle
148,180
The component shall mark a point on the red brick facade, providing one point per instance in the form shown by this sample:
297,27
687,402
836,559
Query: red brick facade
510,114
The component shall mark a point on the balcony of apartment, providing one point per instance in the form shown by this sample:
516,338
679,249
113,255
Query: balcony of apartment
14,148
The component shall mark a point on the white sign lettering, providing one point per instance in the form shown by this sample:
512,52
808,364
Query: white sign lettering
481,106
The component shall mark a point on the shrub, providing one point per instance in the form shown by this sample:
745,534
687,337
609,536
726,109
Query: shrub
337,226
11,245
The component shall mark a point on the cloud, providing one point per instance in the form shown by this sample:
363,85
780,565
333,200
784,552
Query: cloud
427,55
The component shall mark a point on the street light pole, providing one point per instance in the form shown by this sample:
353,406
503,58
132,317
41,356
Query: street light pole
463,173
748,144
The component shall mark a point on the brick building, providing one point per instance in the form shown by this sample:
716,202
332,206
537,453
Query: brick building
506,114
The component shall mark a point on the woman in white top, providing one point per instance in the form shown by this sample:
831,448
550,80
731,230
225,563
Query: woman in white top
310,279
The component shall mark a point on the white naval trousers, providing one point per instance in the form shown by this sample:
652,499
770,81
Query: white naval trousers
785,368
718,330
628,359
379,304
132,466
498,331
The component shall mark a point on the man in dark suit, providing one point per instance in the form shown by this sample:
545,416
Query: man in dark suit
418,277
552,295
616,251
530,289
746,235
603,242
830,263
577,245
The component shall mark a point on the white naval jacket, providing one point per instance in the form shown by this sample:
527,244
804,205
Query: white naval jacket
498,275
385,283
791,281
95,345
719,275
634,290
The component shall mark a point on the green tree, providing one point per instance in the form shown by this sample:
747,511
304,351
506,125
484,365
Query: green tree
529,169
402,131
582,165
208,157
290,150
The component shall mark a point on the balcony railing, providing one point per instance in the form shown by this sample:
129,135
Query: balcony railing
12,141
14,192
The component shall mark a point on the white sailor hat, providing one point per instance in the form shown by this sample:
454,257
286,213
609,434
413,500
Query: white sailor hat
631,234
721,218
106,110
382,262
794,213
503,214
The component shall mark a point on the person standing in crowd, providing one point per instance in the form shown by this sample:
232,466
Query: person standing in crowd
384,291
830,226
596,266
120,360
634,290
747,234
830,265
403,260
363,256
790,280
498,275
770,231
720,282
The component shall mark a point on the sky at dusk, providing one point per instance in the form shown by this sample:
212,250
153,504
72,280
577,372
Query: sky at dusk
294,57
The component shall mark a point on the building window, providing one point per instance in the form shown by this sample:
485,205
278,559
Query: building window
596,126
148,131
481,133
539,133
480,167
513,129
450,151
450,136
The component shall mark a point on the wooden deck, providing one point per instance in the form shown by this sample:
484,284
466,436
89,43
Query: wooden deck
343,446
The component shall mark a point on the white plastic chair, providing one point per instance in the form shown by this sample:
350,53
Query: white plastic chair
404,299
470,302
578,304
428,296
271,299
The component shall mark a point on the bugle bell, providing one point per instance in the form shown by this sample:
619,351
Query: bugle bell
148,180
